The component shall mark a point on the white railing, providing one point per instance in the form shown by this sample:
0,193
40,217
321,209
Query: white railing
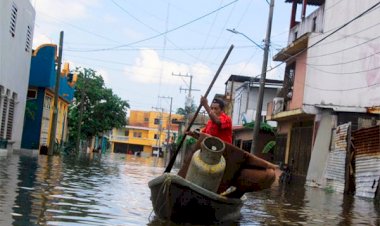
120,138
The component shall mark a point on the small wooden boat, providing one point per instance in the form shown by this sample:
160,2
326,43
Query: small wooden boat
179,200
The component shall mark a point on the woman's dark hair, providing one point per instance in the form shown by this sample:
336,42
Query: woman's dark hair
220,102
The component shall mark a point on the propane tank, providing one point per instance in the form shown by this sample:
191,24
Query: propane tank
207,164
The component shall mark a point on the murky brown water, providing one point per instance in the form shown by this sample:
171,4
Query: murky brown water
113,190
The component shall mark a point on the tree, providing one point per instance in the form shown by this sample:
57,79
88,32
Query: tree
102,109
187,110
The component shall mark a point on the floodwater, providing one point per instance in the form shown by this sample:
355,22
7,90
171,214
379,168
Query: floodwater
112,189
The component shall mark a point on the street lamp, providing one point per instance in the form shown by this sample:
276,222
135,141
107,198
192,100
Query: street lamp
256,128
237,32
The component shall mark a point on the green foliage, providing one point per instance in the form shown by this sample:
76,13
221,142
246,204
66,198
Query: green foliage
263,126
102,109
189,140
187,110
269,146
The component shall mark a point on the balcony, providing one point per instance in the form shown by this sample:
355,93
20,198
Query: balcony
274,107
299,34
311,23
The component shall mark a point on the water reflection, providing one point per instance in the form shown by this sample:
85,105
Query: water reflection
94,189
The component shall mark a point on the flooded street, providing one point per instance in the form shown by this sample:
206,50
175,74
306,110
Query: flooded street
112,189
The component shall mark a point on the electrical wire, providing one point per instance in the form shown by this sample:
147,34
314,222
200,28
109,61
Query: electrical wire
327,36
162,33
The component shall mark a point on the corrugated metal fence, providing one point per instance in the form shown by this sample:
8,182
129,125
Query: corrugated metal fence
366,143
335,172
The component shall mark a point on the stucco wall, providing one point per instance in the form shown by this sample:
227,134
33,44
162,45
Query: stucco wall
343,69
299,83
15,60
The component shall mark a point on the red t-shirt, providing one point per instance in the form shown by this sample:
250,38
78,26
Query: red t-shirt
224,131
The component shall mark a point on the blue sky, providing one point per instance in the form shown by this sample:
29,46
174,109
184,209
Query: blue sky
137,45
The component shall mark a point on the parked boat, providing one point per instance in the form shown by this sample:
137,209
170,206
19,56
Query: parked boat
179,200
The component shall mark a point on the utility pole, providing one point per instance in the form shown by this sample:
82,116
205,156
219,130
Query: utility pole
81,109
53,127
188,102
169,121
256,128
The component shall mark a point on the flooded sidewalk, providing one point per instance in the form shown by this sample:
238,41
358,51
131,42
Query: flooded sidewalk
112,189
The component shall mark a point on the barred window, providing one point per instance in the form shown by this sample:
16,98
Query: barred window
12,28
28,38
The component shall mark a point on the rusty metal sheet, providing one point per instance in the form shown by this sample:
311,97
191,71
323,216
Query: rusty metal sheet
367,175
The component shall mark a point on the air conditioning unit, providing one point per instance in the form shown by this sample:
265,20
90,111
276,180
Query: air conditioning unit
278,105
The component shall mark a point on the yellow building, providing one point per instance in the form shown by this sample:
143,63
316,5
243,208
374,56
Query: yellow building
147,133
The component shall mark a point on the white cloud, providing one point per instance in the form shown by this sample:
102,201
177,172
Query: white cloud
105,75
40,39
149,68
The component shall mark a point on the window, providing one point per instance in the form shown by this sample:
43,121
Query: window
314,26
137,134
32,94
156,136
12,28
11,116
146,119
4,116
156,121
28,38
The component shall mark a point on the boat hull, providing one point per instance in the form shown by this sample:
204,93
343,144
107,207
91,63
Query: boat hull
179,200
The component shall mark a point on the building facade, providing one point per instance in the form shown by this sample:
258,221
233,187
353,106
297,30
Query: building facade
16,35
147,133
331,78
40,99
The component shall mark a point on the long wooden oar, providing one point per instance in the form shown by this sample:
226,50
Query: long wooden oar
172,160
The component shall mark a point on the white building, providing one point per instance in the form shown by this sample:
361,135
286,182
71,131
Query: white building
16,35
331,78
245,100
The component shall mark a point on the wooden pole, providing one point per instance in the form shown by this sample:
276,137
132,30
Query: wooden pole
172,160
53,127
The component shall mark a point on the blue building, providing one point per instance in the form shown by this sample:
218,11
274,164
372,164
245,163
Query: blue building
40,99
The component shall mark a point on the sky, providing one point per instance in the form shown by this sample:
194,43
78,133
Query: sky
140,46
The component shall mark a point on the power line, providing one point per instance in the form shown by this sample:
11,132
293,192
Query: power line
345,73
342,63
162,33
337,90
342,50
327,36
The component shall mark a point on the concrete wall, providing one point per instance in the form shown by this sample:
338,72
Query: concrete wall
343,69
299,83
246,103
15,59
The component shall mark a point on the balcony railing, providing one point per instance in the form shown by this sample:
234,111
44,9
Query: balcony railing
119,138
275,106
